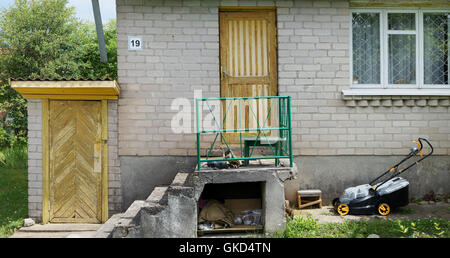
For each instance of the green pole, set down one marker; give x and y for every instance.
(240, 124)
(198, 136)
(290, 132)
(280, 121)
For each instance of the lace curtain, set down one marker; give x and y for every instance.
(366, 48)
(436, 28)
(401, 49)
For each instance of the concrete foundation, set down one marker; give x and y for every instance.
(140, 175)
(331, 174)
(172, 211)
(273, 191)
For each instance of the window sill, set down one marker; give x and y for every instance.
(396, 92)
(396, 97)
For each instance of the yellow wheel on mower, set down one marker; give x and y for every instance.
(343, 209)
(384, 209)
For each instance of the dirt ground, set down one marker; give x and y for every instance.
(412, 211)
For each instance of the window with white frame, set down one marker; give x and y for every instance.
(400, 48)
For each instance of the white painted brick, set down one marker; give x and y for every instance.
(313, 67)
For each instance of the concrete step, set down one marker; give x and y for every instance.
(127, 224)
(106, 229)
(78, 234)
(158, 194)
(180, 179)
(60, 227)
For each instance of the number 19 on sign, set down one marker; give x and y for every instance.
(134, 43)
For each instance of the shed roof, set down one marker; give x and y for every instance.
(66, 88)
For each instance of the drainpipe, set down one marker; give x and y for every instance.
(99, 28)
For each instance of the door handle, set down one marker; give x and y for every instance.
(223, 73)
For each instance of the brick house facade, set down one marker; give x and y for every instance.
(342, 134)
(181, 54)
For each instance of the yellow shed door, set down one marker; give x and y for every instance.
(75, 161)
(248, 68)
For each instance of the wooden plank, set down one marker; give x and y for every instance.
(105, 184)
(237, 81)
(104, 119)
(258, 40)
(310, 192)
(310, 203)
(273, 71)
(105, 173)
(45, 162)
(74, 220)
(224, 43)
(66, 87)
(71, 97)
(246, 8)
(234, 229)
(98, 157)
(67, 91)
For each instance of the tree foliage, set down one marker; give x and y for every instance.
(92, 66)
(44, 39)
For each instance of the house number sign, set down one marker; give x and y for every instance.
(134, 43)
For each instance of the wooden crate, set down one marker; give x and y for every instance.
(309, 198)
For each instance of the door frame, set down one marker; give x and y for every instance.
(46, 158)
(273, 63)
(270, 15)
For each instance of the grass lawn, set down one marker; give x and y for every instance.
(399, 228)
(13, 199)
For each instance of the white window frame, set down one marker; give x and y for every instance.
(384, 51)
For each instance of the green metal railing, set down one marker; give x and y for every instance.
(271, 127)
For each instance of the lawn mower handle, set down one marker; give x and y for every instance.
(421, 146)
(411, 154)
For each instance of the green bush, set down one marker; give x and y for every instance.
(4, 137)
(14, 157)
(13, 128)
(9, 139)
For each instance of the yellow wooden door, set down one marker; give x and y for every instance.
(248, 68)
(75, 161)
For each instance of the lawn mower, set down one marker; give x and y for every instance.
(390, 192)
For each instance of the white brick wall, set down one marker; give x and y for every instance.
(35, 159)
(114, 187)
(181, 53)
(181, 49)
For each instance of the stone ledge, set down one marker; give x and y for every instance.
(396, 101)
(157, 194)
(396, 97)
(251, 172)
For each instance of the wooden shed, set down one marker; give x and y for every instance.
(74, 146)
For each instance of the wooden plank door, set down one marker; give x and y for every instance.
(248, 68)
(75, 161)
